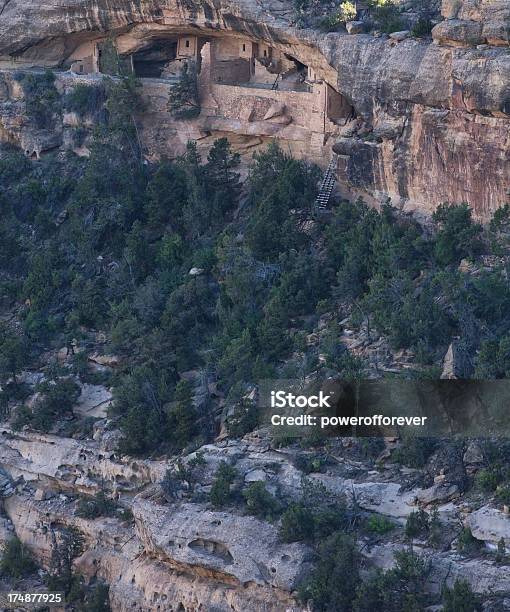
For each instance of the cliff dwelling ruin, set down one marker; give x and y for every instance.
(422, 120)
(246, 87)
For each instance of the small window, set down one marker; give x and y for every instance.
(81, 68)
(265, 53)
(187, 43)
(244, 47)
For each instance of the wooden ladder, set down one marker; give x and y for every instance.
(326, 188)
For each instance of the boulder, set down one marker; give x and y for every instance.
(458, 33)
(439, 492)
(474, 455)
(196, 271)
(448, 372)
(94, 401)
(490, 525)
(111, 361)
(255, 476)
(43, 494)
(400, 36)
(276, 109)
(355, 27)
(484, 576)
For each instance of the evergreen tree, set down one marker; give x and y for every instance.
(332, 585)
(13, 352)
(460, 598)
(16, 560)
(183, 101)
(223, 181)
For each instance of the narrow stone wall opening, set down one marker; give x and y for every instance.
(338, 108)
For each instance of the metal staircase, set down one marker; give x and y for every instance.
(326, 188)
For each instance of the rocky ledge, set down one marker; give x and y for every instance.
(182, 551)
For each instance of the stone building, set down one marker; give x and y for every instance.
(85, 59)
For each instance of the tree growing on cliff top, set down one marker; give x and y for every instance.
(16, 560)
(13, 353)
(183, 101)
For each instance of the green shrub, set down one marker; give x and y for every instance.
(42, 100)
(493, 358)
(221, 493)
(417, 524)
(460, 598)
(184, 477)
(387, 15)
(181, 416)
(85, 99)
(435, 528)
(400, 589)
(67, 545)
(311, 463)
(371, 448)
(126, 514)
(171, 485)
(501, 555)
(97, 598)
(316, 516)
(333, 583)
(467, 543)
(298, 524)
(423, 27)
(183, 101)
(380, 524)
(346, 12)
(414, 452)
(487, 480)
(94, 507)
(244, 418)
(16, 560)
(503, 494)
(58, 401)
(260, 502)
(23, 416)
(79, 135)
(458, 236)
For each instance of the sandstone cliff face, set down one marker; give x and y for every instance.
(433, 117)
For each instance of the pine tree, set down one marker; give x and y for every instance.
(183, 101)
(222, 180)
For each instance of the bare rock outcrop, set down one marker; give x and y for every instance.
(445, 569)
(185, 552)
(242, 549)
(490, 525)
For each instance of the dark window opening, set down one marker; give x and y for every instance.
(187, 43)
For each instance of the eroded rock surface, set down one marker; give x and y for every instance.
(185, 551)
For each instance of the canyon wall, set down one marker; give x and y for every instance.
(431, 117)
(181, 554)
